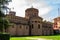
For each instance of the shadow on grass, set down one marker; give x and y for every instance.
(34, 35)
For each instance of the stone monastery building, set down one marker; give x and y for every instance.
(31, 24)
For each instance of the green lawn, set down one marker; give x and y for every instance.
(56, 37)
(19, 38)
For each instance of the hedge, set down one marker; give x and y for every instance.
(4, 37)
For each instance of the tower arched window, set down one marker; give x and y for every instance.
(38, 26)
(32, 26)
(35, 21)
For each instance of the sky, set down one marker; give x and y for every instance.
(48, 9)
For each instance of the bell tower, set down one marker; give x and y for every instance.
(31, 12)
(12, 12)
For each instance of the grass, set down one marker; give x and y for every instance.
(55, 37)
(19, 38)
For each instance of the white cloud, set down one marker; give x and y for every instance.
(21, 5)
(45, 10)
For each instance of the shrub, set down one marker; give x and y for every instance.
(4, 37)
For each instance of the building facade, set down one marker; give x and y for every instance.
(56, 25)
(31, 24)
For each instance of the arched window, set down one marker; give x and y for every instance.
(35, 21)
(26, 27)
(38, 26)
(55, 26)
(20, 26)
(32, 26)
(38, 21)
(13, 26)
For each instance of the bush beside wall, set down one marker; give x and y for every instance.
(4, 37)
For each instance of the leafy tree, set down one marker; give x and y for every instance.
(1, 14)
(3, 4)
(3, 22)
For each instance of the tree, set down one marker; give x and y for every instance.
(3, 4)
(1, 14)
(3, 22)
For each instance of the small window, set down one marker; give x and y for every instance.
(20, 26)
(56, 26)
(38, 21)
(39, 26)
(49, 26)
(26, 27)
(59, 27)
(32, 26)
(5, 30)
(35, 21)
(55, 23)
(13, 26)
